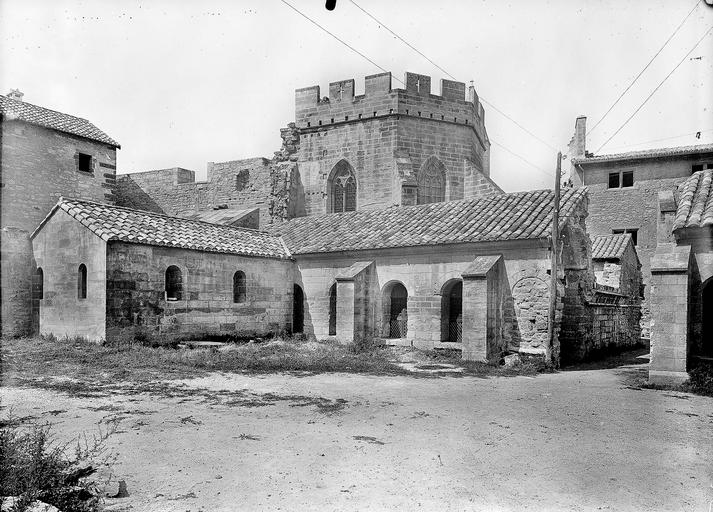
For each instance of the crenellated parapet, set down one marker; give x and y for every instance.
(416, 100)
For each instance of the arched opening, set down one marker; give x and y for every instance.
(342, 187)
(452, 311)
(298, 310)
(82, 282)
(333, 310)
(431, 182)
(395, 300)
(705, 344)
(174, 283)
(239, 289)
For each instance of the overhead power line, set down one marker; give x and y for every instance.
(382, 24)
(381, 68)
(665, 138)
(656, 89)
(645, 68)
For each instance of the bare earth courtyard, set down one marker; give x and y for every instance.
(572, 440)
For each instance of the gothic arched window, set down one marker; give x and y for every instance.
(343, 188)
(432, 182)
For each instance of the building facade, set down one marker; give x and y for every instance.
(624, 190)
(44, 155)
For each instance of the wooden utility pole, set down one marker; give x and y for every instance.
(553, 272)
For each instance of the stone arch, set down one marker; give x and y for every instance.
(342, 188)
(432, 180)
(394, 300)
(452, 310)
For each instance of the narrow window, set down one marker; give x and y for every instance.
(39, 284)
(431, 182)
(627, 179)
(613, 180)
(174, 283)
(239, 290)
(343, 189)
(84, 163)
(82, 282)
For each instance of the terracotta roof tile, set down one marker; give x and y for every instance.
(136, 226)
(695, 201)
(517, 216)
(647, 153)
(609, 247)
(33, 114)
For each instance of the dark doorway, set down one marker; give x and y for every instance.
(452, 312)
(333, 310)
(298, 310)
(705, 345)
(37, 296)
(398, 316)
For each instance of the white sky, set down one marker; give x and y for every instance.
(181, 83)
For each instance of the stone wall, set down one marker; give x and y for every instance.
(136, 298)
(425, 272)
(60, 248)
(38, 166)
(273, 186)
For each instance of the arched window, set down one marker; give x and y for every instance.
(38, 284)
(82, 282)
(174, 283)
(239, 290)
(432, 182)
(343, 188)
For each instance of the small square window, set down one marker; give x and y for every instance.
(627, 179)
(84, 163)
(613, 180)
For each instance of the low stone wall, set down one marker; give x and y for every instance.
(136, 300)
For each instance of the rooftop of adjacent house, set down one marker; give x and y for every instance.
(610, 247)
(225, 216)
(116, 223)
(695, 201)
(647, 154)
(516, 216)
(14, 109)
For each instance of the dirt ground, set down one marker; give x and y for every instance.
(573, 440)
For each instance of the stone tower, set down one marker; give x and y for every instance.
(391, 146)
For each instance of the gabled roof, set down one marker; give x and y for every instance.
(647, 153)
(115, 223)
(517, 216)
(33, 114)
(610, 247)
(695, 203)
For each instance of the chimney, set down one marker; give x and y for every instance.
(577, 146)
(15, 94)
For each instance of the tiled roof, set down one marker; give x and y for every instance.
(609, 247)
(140, 227)
(647, 153)
(29, 113)
(225, 216)
(695, 201)
(517, 216)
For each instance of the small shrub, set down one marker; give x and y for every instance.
(36, 467)
(700, 380)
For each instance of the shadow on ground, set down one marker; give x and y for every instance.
(638, 357)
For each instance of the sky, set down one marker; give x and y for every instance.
(183, 83)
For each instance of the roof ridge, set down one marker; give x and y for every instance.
(23, 102)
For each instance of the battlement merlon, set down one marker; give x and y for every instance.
(453, 105)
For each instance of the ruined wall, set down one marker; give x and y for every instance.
(136, 298)
(270, 185)
(38, 165)
(596, 319)
(386, 135)
(60, 247)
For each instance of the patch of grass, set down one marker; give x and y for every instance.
(700, 380)
(36, 467)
